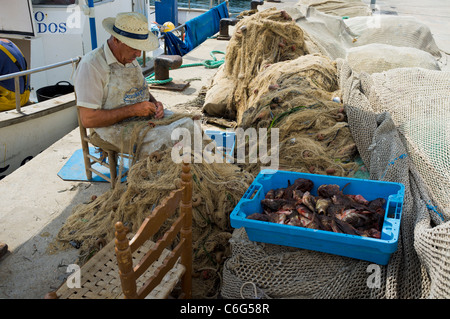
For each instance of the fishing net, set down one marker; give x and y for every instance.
(275, 83)
(400, 31)
(260, 40)
(395, 149)
(377, 57)
(216, 189)
(295, 97)
(398, 121)
(418, 103)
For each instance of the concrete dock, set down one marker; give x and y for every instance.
(35, 201)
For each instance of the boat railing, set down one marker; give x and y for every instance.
(16, 76)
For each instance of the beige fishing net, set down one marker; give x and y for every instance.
(377, 57)
(295, 97)
(275, 83)
(260, 40)
(398, 120)
(217, 188)
(334, 37)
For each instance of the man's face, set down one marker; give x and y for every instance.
(126, 54)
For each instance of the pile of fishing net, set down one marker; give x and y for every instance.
(270, 81)
(397, 122)
(259, 40)
(217, 188)
(295, 97)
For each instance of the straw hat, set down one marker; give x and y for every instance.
(132, 29)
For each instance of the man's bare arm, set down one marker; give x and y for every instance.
(92, 118)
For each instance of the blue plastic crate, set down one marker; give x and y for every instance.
(225, 142)
(364, 248)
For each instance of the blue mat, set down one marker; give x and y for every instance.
(74, 169)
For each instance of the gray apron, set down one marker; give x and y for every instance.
(127, 86)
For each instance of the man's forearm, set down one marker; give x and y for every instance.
(92, 118)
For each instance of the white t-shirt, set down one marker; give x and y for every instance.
(92, 76)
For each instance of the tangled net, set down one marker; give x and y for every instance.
(260, 40)
(296, 97)
(217, 188)
(271, 81)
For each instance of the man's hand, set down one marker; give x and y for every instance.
(150, 108)
(159, 110)
(145, 108)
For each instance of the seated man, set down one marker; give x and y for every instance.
(110, 86)
(12, 61)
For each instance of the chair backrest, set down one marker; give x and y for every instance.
(182, 225)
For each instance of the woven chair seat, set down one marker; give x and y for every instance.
(100, 276)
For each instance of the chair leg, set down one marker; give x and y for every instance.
(112, 158)
(85, 148)
(125, 262)
(87, 165)
(186, 231)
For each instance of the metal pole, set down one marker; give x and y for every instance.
(16, 76)
(92, 24)
(17, 91)
(40, 69)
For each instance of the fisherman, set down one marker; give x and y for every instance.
(12, 61)
(110, 86)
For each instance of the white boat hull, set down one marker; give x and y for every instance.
(24, 137)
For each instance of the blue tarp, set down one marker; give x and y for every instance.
(197, 30)
(74, 169)
(174, 45)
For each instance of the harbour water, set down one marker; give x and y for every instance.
(235, 6)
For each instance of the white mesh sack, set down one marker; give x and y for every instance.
(377, 57)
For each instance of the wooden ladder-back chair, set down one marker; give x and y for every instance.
(90, 159)
(143, 267)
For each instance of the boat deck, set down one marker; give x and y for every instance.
(35, 201)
